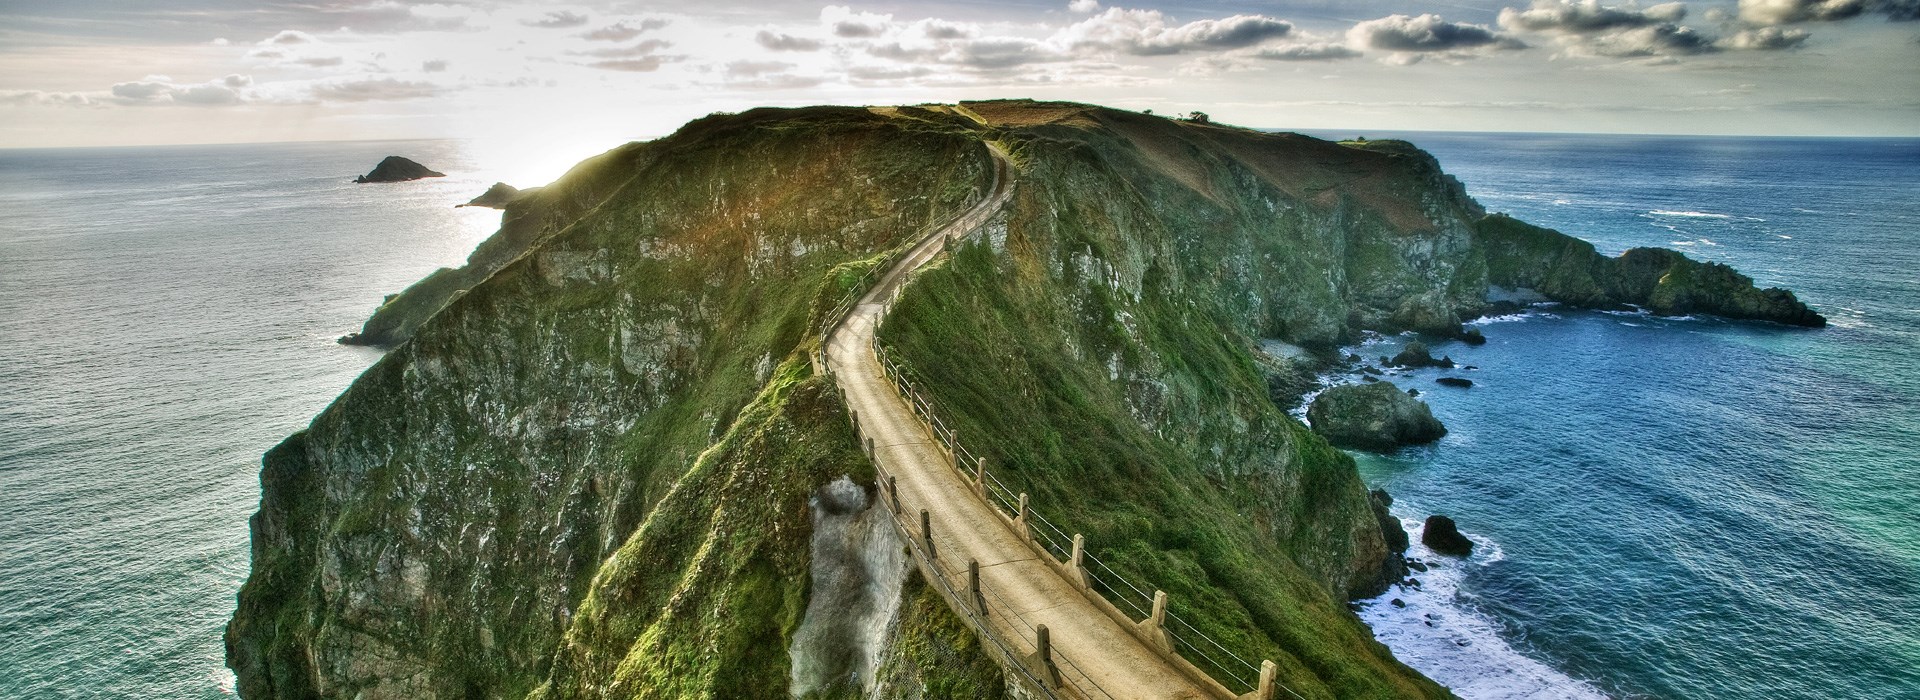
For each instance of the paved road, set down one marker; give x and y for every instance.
(1091, 649)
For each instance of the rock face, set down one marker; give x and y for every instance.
(1441, 535)
(496, 197)
(1373, 417)
(397, 169)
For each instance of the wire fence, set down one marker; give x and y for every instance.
(1232, 669)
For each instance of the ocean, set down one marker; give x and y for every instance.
(1673, 508)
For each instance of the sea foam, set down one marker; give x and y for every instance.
(1441, 635)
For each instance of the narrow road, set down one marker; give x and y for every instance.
(1098, 656)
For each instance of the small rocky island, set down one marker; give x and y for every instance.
(398, 169)
(1375, 416)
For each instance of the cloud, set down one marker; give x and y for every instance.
(854, 25)
(162, 90)
(38, 98)
(1148, 33)
(647, 64)
(319, 61)
(562, 19)
(750, 69)
(1587, 17)
(621, 31)
(1083, 6)
(1586, 27)
(373, 90)
(1318, 51)
(1654, 40)
(434, 66)
(1771, 12)
(990, 53)
(644, 48)
(774, 41)
(1425, 34)
(289, 37)
(1765, 39)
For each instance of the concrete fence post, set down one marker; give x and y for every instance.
(1268, 671)
(1154, 627)
(973, 586)
(926, 532)
(1077, 563)
(870, 453)
(980, 475)
(893, 492)
(1020, 520)
(1042, 659)
(854, 416)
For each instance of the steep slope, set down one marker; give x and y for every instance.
(586, 467)
(435, 531)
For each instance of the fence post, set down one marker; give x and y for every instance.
(926, 532)
(870, 454)
(1020, 520)
(973, 586)
(1042, 659)
(1155, 626)
(893, 491)
(1077, 563)
(980, 475)
(854, 416)
(1264, 691)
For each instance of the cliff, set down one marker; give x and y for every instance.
(593, 462)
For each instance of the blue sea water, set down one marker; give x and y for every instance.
(1667, 508)
(1680, 508)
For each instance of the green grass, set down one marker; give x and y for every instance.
(1014, 349)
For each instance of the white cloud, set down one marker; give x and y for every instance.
(1766, 12)
(434, 66)
(1149, 33)
(1316, 51)
(1427, 33)
(847, 23)
(1766, 39)
(775, 41)
(372, 89)
(561, 19)
(621, 31)
(1083, 6)
(288, 37)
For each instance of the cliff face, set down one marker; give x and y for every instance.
(476, 493)
(585, 468)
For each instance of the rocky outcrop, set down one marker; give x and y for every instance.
(1417, 355)
(1571, 271)
(496, 197)
(1441, 535)
(1374, 416)
(397, 169)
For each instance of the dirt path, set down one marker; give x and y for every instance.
(1097, 655)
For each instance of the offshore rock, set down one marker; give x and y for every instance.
(1417, 355)
(1443, 536)
(1374, 416)
(1455, 382)
(397, 169)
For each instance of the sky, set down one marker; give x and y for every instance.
(574, 79)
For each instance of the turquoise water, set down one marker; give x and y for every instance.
(166, 315)
(1685, 509)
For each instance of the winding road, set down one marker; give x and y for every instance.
(1095, 654)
